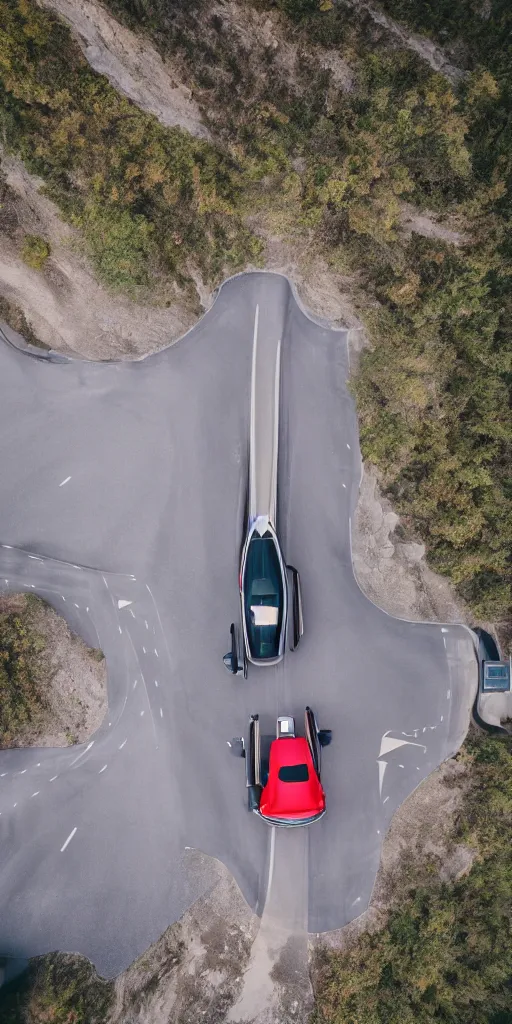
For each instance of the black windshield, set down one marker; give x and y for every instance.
(263, 596)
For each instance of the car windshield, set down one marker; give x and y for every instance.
(294, 773)
(263, 596)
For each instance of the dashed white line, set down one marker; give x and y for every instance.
(401, 766)
(54, 777)
(8, 546)
(442, 716)
(143, 650)
(132, 613)
(141, 714)
(68, 840)
(386, 798)
(448, 694)
(156, 682)
(444, 641)
(38, 765)
(135, 684)
(119, 628)
(36, 559)
(87, 609)
(16, 804)
(66, 481)
(122, 744)
(36, 793)
(146, 623)
(443, 630)
(105, 766)
(21, 773)
(161, 713)
(63, 598)
(344, 485)
(76, 605)
(3, 775)
(156, 652)
(88, 747)
(348, 446)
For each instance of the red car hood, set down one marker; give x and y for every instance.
(291, 800)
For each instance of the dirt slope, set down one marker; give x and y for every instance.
(131, 63)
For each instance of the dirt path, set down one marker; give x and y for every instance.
(421, 45)
(66, 306)
(131, 63)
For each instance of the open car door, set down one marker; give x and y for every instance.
(311, 730)
(297, 617)
(253, 764)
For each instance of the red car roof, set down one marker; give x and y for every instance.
(291, 800)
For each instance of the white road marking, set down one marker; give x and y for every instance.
(344, 485)
(135, 684)
(146, 623)
(88, 747)
(386, 798)
(161, 713)
(444, 641)
(68, 840)
(443, 630)
(401, 766)
(105, 582)
(143, 650)
(21, 773)
(132, 613)
(357, 900)
(389, 743)
(156, 652)
(32, 585)
(122, 744)
(141, 714)
(156, 682)
(38, 765)
(382, 769)
(54, 777)
(68, 478)
(76, 605)
(3, 774)
(348, 446)
(448, 694)
(378, 831)
(8, 546)
(103, 769)
(442, 716)
(123, 604)
(87, 609)
(252, 428)
(119, 628)
(36, 559)
(63, 598)
(36, 793)
(418, 769)
(16, 804)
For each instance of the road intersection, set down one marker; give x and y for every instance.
(123, 502)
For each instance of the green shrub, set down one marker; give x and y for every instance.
(35, 251)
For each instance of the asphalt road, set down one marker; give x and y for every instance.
(139, 472)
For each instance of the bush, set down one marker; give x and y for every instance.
(35, 251)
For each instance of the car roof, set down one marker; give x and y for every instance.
(293, 800)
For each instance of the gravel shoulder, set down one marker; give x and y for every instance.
(71, 678)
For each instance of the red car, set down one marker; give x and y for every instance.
(283, 774)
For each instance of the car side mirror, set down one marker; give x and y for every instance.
(324, 737)
(237, 746)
